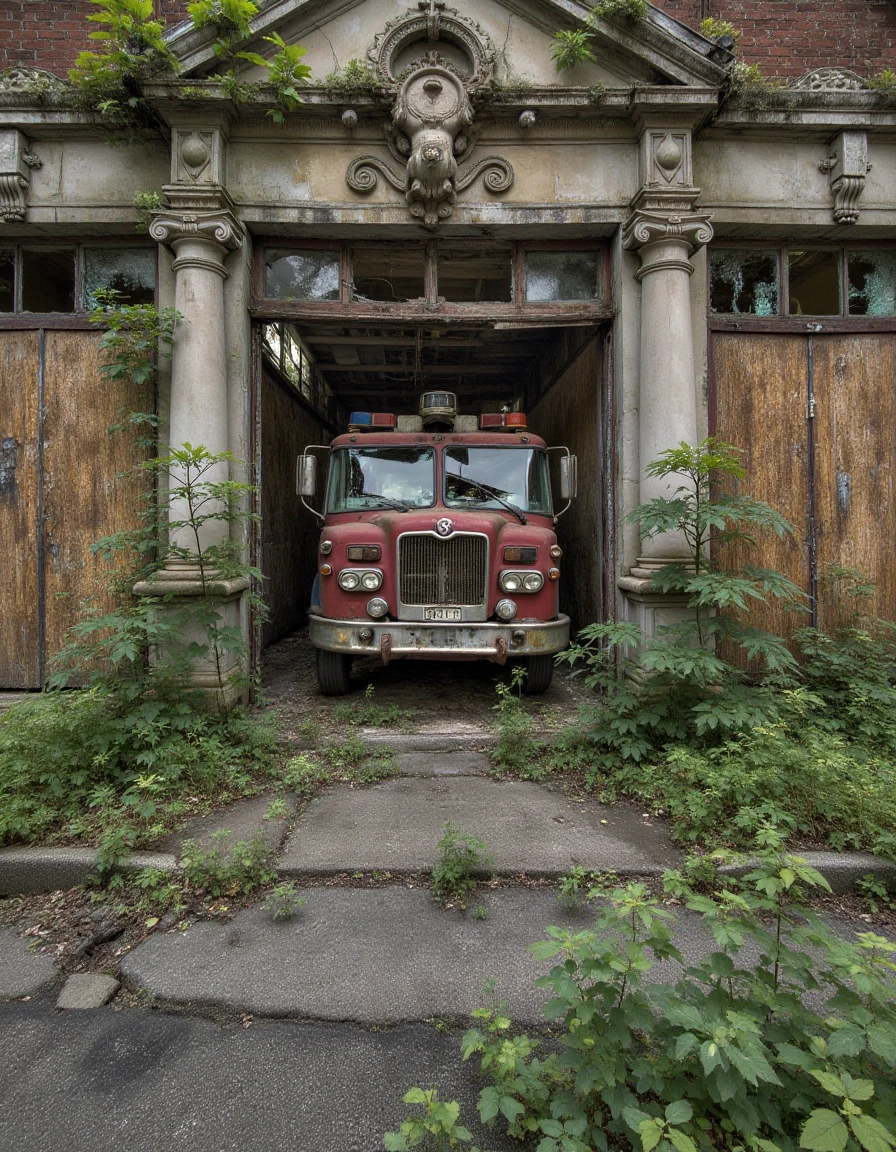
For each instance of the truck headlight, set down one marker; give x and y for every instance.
(377, 607)
(505, 609)
(521, 581)
(349, 581)
(370, 581)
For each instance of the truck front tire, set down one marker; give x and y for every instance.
(333, 672)
(539, 673)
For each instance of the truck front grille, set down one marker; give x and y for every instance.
(436, 571)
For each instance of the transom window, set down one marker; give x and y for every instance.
(65, 277)
(802, 281)
(437, 272)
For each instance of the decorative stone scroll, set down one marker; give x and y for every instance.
(220, 227)
(432, 113)
(16, 162)
(644, 228)
(831, 80)
(848, 166)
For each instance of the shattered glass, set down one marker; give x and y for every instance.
(814, 282)
(290, 274)
(391, 274)
(7, 280)
(129, 271)
(872, 283)
(552, 276)
(744, 281)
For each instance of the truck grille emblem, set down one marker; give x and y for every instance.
(444, 527)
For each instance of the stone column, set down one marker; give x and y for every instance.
(201, 239)
(664, 230)
(668, 403)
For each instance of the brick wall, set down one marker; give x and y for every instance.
(785, 37)
(789, 37)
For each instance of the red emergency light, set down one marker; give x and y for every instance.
(502, 422)
(371, 422)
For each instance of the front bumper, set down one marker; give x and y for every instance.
(400, 639)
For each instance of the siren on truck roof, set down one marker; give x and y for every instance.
(438, 411)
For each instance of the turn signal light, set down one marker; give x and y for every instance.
(326, 570)
(554, 574)
(366, 552)
(520, 555)
(508, 421)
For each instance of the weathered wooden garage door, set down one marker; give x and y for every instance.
(816, 416)
(61, 487)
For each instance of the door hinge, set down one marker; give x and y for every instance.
(811, 411)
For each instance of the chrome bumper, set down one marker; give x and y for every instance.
(397, 639)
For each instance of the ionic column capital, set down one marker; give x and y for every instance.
(220, 227)
(643, 228)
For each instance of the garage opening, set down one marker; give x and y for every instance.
(508, 329)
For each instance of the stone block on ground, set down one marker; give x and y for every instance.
(244, 819)
(443, 763)
(528, 829)
(87, 990)
(22, 972)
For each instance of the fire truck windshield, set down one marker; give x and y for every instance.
(498, 476)
(366, 478)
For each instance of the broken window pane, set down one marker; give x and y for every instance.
(743, 281)
(872, 283)
(814, 283)
(290, 274)
(561, 276)
(7, 280)
(272, 342)
(129, 271)
(387, 274)
(48, 280)
(467, 276)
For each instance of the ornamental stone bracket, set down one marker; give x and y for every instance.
(429, 135)
(644, 228)
(848, 166)
(189, 217)
(16, 163)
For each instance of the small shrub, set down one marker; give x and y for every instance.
(712, 28)
(883, 81)
(874, 892)
(369, 713)
(356, 78)
(224, 869)
(462, 855)
(435, 1128)
(277, 809)
(284, 902)
(303, 775)
(515, 750)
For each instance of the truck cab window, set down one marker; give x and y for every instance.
(362, 479)
(478, 476)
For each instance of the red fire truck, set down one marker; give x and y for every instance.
(437, 542)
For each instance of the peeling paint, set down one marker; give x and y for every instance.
(844, 488)
(9, 462)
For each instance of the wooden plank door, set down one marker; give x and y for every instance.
(20, 626)
(761, 402)
(64, 483)
(854, 389)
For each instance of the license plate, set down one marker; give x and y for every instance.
(441, 614)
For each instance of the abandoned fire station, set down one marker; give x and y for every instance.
(627, 252)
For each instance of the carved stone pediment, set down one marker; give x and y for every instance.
(434, 61)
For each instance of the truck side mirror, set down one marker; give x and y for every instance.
(569, 477)
(306, 476)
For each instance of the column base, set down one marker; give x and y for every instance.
(647, 565)
(221, 683)
(650, 610)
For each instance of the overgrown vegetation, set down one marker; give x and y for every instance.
(464, 857)
(109, 82)
(227, 868)
(516, 751)
(713, 28)
(367, 712)
(357, 78)
(573, 46)
(112, 762)
(733, 1054)
(283, 902)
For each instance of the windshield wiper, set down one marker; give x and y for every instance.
(398, 505)
(490, 495)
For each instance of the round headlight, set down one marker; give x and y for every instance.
(349, 581)
(326, 547)
(556, 551)
(505, 609)
(533, 581)
(511, 581)
(377, 607)
(370, 581)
